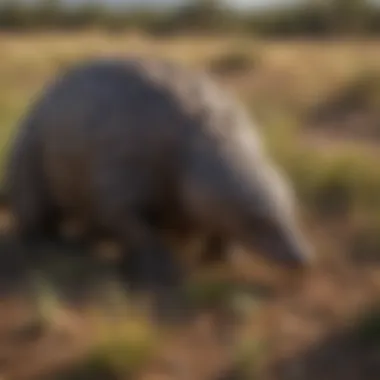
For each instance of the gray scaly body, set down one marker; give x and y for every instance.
(132, 146)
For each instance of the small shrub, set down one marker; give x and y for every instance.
(362, 92)
(353, 109)
(89, 370)
(366, 329)
(208, 294)
(248, 357)
(332, 183)
(235, 61)
(125, 344)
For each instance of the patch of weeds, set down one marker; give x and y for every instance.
(68, 268)
(280, 134)
(124, 345)
(248, 357)
(366, 329)
(208, 294)
(353, 108)
(331, 183)
(234, 301)
(47, 301)
(333, 189)
(235, 60)
(336, 184)
(46, 312)
(245, 304)
(363, 91)
(87, 371)
(121, 347)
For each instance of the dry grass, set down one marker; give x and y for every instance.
(289, 79)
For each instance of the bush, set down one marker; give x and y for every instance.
(353, 108)
(121, 347)
(234, 61)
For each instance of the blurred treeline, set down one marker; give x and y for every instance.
(307, 18)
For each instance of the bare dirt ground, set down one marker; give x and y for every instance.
(306, 327)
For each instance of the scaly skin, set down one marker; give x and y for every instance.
(132, 146)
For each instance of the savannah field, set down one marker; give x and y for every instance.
(317, 105)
